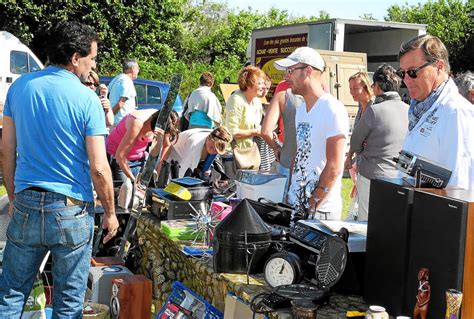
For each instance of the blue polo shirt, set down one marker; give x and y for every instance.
(53, 113)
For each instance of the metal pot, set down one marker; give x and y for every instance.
(201, 192)
(241, 241)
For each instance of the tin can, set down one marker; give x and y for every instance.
(376, 312)
(302, 309)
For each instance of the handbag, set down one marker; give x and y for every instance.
(184, 121)
(246, 158)
(164, 178)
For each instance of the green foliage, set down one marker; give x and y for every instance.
(166, 36)
(450, 20)
(191, 73)
(368, 16)
(3, 190)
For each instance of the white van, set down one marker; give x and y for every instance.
(15, 60)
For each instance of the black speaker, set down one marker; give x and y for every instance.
(386, 259)
(112, 246)
(438, 241)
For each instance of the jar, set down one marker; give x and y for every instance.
(303, 309)
(376, 312)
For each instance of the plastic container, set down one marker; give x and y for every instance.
(220, 210)
(255, 184)
(100, 311)
(180, 229)
(188, 299)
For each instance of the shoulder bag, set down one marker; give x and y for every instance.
(246, 158)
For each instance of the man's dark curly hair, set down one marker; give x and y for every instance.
(66, 38)
(387, 79)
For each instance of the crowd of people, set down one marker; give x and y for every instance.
(304, 146)
(303, 134)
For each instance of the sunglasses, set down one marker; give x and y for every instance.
(89, 84)
(216, 135)
(290, 71)
(413, 72)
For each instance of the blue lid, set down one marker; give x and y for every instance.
(188, 181)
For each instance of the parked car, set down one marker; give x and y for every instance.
(151, 94)
(17, 59)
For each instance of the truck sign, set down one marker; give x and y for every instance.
(271, 49)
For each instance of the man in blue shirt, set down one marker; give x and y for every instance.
(53, 151)
(122, 90)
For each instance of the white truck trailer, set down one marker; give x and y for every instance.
(346, 45)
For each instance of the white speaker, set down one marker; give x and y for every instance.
(100, 282)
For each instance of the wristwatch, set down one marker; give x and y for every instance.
(324, 189)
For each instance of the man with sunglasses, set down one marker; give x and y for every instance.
(440, 119)
(322, 126)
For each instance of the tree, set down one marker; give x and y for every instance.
(165, 36)
(450, 20)
(368, 16)
(145, 29)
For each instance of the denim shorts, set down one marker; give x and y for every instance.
(42, 222)
(135, 167)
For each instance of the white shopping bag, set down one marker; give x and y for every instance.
(125, 194)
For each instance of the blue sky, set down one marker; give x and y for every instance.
(347, 9)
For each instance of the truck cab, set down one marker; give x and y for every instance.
(16, 59)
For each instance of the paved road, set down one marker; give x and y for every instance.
(4, 218)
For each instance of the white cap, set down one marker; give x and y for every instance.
(305, 55)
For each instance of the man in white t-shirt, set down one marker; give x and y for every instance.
(122, 90)
(321, 131)
(440, 119)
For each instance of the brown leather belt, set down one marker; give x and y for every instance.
(37, 189)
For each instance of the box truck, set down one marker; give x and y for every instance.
(15, 60)
(346, 45)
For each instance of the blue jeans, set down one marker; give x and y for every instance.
(282, 170)
(135, 167)
(45, 221)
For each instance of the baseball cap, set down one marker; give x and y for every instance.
(304, 55)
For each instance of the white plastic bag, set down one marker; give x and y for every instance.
(36, 302)
(125, 194)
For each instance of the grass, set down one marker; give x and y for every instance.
(346, 195)
(3, 190)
